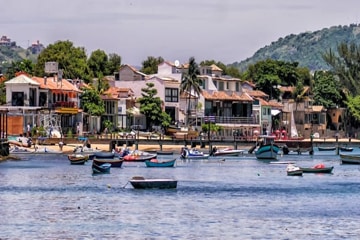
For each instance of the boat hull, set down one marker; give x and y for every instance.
(101, 169)
(295, 173)
(153, 183)
(115, 162)
(151, 163)
(76, 159)
(233, 153)
(350, 159)
(269, 151)
(317, 170)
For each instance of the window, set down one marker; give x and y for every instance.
(171, 95)
(227, 85)
(221, 86)
(17, 99)
(237, 86)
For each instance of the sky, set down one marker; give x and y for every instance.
(222, 30)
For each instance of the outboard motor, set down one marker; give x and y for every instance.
(285, 150)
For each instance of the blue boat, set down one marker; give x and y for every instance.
(103, 168)
(267, 148)
(156, 163)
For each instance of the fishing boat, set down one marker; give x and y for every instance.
(226, 152)
(103, 168)
(293, 170)
(332, 148)
(267, 149)
(192, 154)
(139, 182)
(159, 163)
(350, 158)
(139, 156)
(77, 159)
(318, 168)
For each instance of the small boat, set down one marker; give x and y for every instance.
(293, 170)
(327, 148)
(192, 154)
(346, 149)
(139, 156)
(267, 148)
(86, 150)
(350, 158)
(226, 152)
(158, 163)
(77, 159)
(164, 152)
(103, 168)
(153, 183)
(114, 162)
(318, 168)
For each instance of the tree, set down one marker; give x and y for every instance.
(191, 84)
(326, 90)
(150, 106)
(71, 59)
(150, 65)
(114, 63)
(25, 65)
(92, 102)
(98, 63)
(346, 65)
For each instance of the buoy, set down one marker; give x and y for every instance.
(109, 186)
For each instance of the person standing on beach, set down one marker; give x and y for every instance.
(28, 129)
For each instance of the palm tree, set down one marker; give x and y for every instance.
(190, 83)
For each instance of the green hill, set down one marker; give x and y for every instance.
(14, 54)
(305, 48)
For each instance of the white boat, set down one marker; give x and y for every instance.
(193, 154)
(226, 152)
(293, 170)
(139, 182)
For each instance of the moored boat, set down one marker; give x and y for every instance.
(139, 182)
(346, 149)
(102, 168)
(332, 148)
(159, 163)
(77, 159)
(193, 154)
(114, 162)
(293, 170)
(226, 152)
(267, 149)
(318, 168)
(139, 156)
(350, 158)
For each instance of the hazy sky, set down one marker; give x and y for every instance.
(223, 30)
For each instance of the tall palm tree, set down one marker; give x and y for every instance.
(190, 83)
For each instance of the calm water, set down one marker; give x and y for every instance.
(44, 197)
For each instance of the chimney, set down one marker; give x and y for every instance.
(45, 80)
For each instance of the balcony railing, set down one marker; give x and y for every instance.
(64, 105)
(233, 120)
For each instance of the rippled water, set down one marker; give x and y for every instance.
(44, 197)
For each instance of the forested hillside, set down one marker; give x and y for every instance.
(306, 48)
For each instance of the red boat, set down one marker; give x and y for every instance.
(139, 156)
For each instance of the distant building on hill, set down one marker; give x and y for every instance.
(5, 41)
(36, 47)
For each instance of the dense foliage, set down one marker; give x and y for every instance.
(150, 65)
(92, 102)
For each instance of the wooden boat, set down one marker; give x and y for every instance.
(350, 159)
(153, 183)
(346, 149)
(77, 159)
(293, 170)
(192, 154)
(318, 168)
(226, 152)
(114, 162)
(158, 163)
(327, 148)
(103, 168)
(267, 149)
(139, 156)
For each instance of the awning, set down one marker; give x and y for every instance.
(275, 112)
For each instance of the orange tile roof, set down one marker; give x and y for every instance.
(63, 85)
(255, 93)
(263, 102)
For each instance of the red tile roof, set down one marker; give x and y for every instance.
(63, 85)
